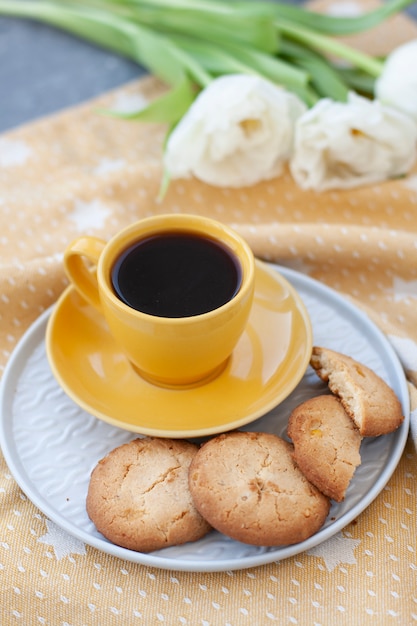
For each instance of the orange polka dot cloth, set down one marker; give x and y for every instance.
(82, 172)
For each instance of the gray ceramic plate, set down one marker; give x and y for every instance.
(51, 445)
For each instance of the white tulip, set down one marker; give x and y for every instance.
(397, 85)
(238, 131)
(344, 145)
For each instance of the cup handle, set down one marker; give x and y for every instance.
(79, 259)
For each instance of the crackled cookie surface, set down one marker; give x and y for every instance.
(326, 444)
(247, 486)
(138, 495)
(366, 397)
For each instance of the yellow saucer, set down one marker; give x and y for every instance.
(267, 364)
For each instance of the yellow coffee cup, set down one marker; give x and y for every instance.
(176, 292)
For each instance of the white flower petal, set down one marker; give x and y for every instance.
(397, 85)
(238, 131)
(344, 145)
(14, 152)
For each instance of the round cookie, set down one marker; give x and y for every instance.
(247, 486)
(370, 402)
(326, 444)
(138, 495)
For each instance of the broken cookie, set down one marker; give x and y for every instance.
(326, 444)
(366, 397)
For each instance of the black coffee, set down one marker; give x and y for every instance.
(176, 275)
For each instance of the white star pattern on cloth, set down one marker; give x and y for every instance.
(62, 543)
(106, 166)
(87, 215)
(411, 183)
(404, 289)
(129, 103)
(339, 549)
(345, 9)
(13, 152)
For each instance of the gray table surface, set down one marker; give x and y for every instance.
(43, 70)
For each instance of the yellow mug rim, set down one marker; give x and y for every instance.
(181, 223)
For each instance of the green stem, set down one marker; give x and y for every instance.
(325, 79)
(234, 57)
(330, 24)
(331, 46)
(155, 52)
(358, 81)
(84, 23)
(145, 31)
(212, 22)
